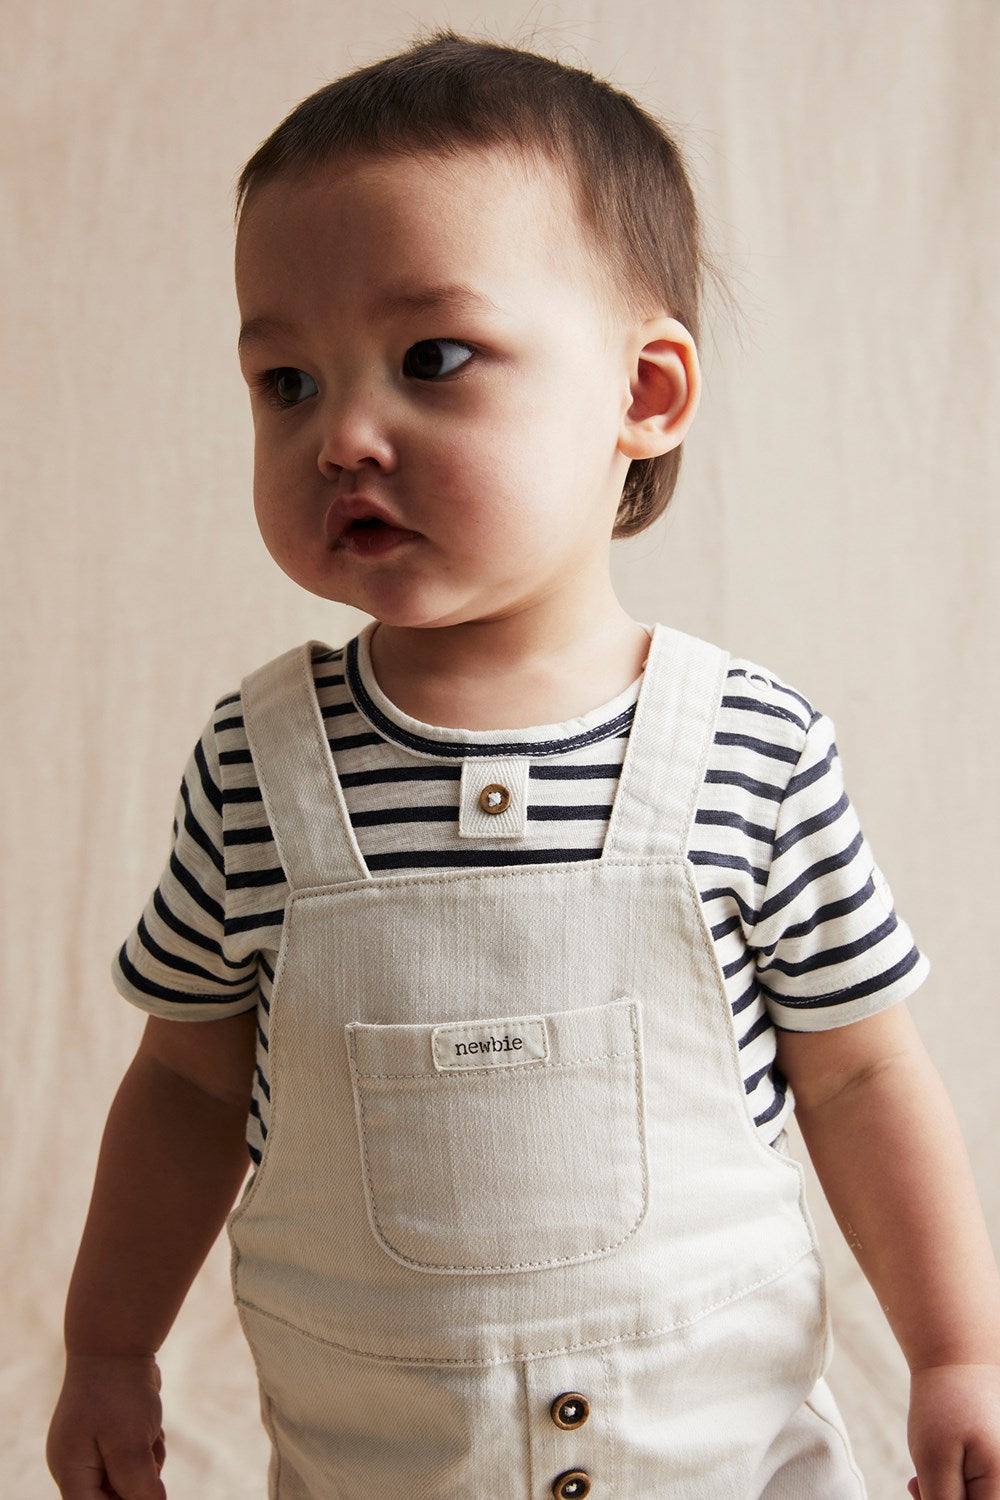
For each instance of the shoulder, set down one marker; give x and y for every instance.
(766, 720)
(758, 690)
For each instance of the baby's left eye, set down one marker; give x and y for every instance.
(432, 358)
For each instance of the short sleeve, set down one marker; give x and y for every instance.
(178, 961)
(830, 947)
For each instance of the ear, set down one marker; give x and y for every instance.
(664, 388)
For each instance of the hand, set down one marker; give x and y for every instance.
(106, 1437)
(954, 1432)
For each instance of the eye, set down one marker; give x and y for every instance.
(432, 358)
(287, 387)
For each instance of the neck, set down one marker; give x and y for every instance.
(507, 674)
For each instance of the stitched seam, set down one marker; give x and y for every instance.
(843, 1440)
(529, 1265)
(496, 1072)
(505, 872)
(620, 1339)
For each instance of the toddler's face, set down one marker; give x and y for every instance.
(437, 386)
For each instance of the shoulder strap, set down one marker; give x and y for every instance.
(668, 747)
(299, 784)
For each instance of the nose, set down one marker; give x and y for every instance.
(354, 433)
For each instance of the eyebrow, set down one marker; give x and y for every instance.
(451, 295)
(259, 330)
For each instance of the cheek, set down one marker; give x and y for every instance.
(277, 515)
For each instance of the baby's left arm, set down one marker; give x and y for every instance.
(886, 1146)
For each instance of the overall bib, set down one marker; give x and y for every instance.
(514, 1232)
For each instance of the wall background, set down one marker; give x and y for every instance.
(836, 520)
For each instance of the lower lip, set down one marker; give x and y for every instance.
(374, 541)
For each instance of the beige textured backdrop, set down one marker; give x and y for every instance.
(837, 520)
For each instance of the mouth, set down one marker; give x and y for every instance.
(363, 530)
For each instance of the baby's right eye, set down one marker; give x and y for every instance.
(286, 386)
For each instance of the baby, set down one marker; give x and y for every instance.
(512, 928)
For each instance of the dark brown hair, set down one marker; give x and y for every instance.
(450, 93)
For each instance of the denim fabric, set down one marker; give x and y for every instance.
(510, 1156)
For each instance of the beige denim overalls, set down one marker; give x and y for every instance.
(514, 1233)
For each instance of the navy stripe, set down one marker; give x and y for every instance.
(758, 1028)
(737, 966)
(394, 815)
(260, 920)
(446, 814)
(769, 710)
(252, 880)
(398, 775)
(814, 872)
(752, 1080)
(431, 859)
(234, 794)
(762, 789)
(728, 862)
(831, 956)
(809, 714)
(747, 997)
(575, 773)
(811, 825)
(259, 835)
(723, 929)
(190, 934)
(354, 742)
(758, 746)
(212, 792)
(831, 910)
(814, 773)
(709, 818)
(748, 914)
(160, 992)
(577, 812)
(183, 965)
(854, 992)
(781, 1089)
(200, 897)
(197, 833)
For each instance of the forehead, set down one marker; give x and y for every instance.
(481, 218)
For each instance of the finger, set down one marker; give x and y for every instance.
(133, 1473)
(940, 1478)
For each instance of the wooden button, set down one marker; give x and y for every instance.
(494, 798)
(570, 1410)
(573, 1485)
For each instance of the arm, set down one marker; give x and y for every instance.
(171, 1163)
(883, 1137)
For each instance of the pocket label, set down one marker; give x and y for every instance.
(490, 1044)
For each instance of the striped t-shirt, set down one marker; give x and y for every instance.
(801, 919)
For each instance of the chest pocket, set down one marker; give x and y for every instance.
(508, 1144)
